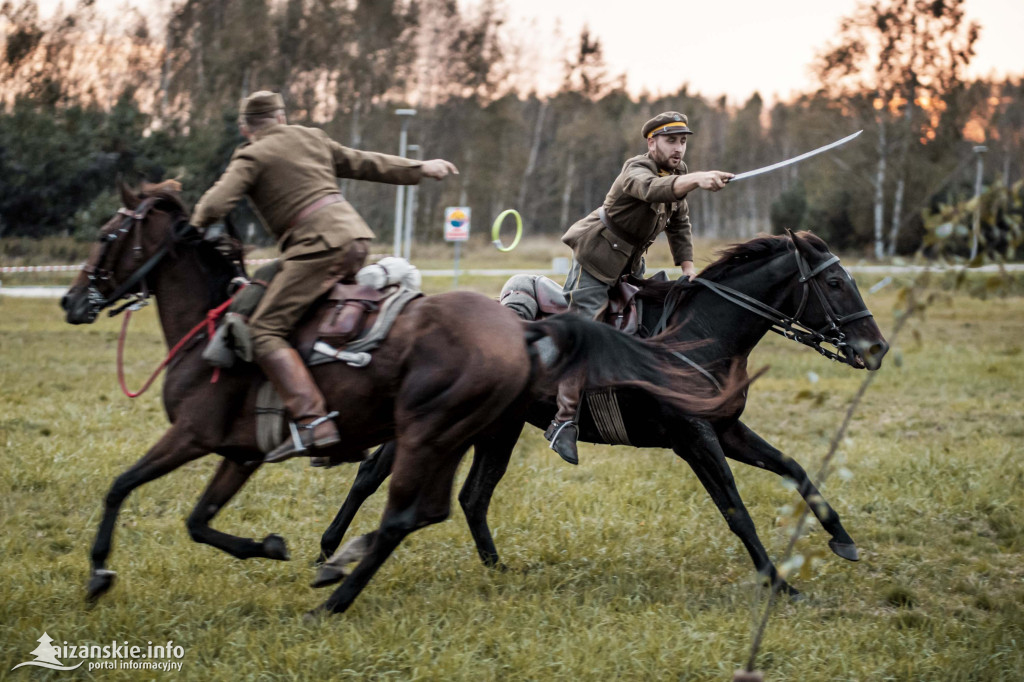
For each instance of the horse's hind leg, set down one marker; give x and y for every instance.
(170, 452)
(491, 455)
(228, 480)
(743, 445)
(372, 473)
(701, 449)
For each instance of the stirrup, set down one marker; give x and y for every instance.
(567, 449)
(301, 439)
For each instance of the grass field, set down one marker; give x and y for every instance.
(621, 568)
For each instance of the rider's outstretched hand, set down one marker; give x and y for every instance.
(713, 180)
(439, 169)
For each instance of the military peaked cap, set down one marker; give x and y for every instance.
(262, 102)
(668, 123)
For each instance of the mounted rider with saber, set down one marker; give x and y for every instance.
(647, 198)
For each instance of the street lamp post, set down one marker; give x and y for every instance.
(406, 114)
(410, 206)
(980, 152)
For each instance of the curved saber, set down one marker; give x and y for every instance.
(795, 159)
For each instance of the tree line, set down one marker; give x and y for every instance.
(91, 98)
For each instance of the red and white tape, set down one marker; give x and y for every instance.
(40, 268)
(76, 268)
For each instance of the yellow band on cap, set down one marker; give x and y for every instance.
(674, 124)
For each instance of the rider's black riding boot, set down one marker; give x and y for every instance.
(312, 427)
(563, 432)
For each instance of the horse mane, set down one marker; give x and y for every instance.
(217, 266)
(166, 193)
(729, 260)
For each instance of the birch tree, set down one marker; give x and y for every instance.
(902, 57)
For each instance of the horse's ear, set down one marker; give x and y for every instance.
(128, 197)
(801, 244)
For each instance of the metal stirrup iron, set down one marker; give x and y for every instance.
(297, 437)
(557, 432)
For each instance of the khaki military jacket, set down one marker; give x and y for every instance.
(286, 168)
(639, 206)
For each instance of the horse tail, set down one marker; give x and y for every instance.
(567, 344)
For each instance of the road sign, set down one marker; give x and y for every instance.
(456, 223)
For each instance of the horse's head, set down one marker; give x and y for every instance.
(129, 246)
(830, 305)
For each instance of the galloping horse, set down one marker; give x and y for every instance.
(453, 366)
(789, 284)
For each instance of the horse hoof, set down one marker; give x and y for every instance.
(786, 590)
(846, 550)
(100, 581)
(328, 575)
(274, 547)
(315, 616)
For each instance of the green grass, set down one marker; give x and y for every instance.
(620, 568)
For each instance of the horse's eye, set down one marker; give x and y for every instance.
(836, 283)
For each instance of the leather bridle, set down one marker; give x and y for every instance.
(791, 326)
(134, 287)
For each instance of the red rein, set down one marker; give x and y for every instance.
(208, 323)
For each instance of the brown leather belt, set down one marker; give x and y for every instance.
(603, 215)
(314, 207)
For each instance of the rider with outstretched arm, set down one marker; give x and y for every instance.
(647, 198)
(289, 173)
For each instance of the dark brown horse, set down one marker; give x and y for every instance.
(454, 367)
(789, 284)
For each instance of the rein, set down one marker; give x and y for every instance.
(209, 322)
(790, 326)
(139, 299)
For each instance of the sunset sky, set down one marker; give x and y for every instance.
(732, 47)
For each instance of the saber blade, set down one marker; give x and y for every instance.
(795, 159)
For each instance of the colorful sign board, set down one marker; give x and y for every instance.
(456, 223)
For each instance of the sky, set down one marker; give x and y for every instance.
(730, 47)
(737, 47)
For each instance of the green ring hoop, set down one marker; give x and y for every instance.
(496, 229)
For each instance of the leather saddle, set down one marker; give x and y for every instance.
(350, 309)
(342, 316)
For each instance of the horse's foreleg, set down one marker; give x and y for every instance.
(419, 495)
(170, 452)
(228, 480)
(703, 452)
(372, 473)
(382, 543)
(743, 445)
(490, 461)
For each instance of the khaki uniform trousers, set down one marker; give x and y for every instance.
(586, 296)
(301, 280)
